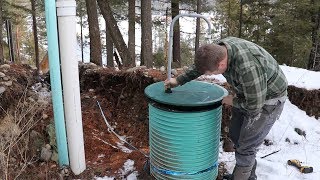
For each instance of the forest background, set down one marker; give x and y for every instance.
(288, 29)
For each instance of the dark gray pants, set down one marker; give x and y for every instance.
(248, 135)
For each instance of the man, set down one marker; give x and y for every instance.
(260, 87)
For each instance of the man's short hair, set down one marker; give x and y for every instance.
(208, 57)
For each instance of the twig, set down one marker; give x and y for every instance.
(270, 154)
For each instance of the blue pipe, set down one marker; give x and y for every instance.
(55, 80)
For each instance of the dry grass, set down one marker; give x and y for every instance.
(15, 129)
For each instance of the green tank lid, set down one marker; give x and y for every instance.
(191, 94)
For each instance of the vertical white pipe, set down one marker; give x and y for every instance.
(66, 12)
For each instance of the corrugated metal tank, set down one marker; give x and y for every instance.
(184, 130)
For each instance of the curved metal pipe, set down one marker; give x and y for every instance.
(171, 36)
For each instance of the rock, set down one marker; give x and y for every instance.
(185, 67)
(46, 153)
(44, 116)
(7, 83)
(37, 141)
(65, 172)
(300, 132)
(2, 89)
(136, 68)
(2, 75)
(162, 68)
(146, 73)
(91, 90)
(174, 72)
(52, 134)
(5, 78)
(5, 66)
(268, 142)
(55, 157)
(31, 99)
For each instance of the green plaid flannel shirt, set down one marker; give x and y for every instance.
(252, 72)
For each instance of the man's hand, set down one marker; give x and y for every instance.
(228, 100)
(171, 83)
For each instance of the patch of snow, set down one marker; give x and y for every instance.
(305, 149)
(302, 78)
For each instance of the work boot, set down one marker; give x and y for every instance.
(242, 173)
(253, 175)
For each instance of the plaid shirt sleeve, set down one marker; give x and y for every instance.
(190, 74)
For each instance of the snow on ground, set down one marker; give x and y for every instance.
(291, 145)
(126, 172)
(302, 78)
(305, 149)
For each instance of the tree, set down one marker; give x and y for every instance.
(314, 57)
(146, 33)
(35, 33)
(176, 56)
(1, 23)
(109, 48)
(289, 39)
(115, 32)
(94, 32)
(131, 29)
(81, 12)
(198, 25)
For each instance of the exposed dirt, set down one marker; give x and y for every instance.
(121, 96)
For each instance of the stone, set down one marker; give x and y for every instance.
(2, 89)
(37, 141)
(55, 156)
(44, 116)
(46, 153)
(185, 67)
(7, 83)
(136, 68)
(5, 66)
(174, 72)
(5, 78)
(162, 68)
(2, 75)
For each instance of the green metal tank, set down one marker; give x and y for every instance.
(184, 130)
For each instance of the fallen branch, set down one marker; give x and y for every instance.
(270, 154)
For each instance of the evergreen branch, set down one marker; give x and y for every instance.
(18, 6)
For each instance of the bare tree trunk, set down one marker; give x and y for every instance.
(17, 35)
(198, 26)
(35, 34)
(109, 49)
(146, 33)
(176, 58)
(81, 37)
(94, 32)
(131, 33)
(1, 23)
(240, 20)
(114, 31)
(10, 40)
(314, 57)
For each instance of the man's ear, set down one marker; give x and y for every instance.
(222, 64)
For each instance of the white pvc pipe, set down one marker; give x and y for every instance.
(66, 12)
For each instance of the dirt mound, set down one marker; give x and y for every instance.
(14, 79)
(307, 100)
